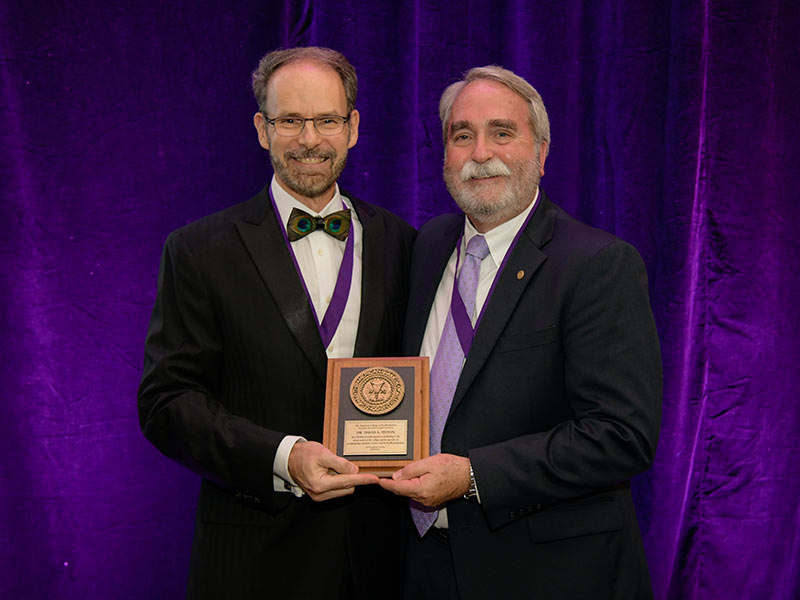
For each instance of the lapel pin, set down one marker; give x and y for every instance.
(520, 274)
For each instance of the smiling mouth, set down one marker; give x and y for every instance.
(485, 177)
(314, 160)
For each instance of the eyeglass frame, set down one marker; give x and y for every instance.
(345, 121)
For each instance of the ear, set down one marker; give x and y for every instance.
(261, 127)
(542, 157)
(353, 122)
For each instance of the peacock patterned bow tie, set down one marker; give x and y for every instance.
(301, 224)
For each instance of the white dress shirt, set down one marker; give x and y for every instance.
(319, 257)
(499, 240)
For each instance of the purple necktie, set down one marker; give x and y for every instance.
(447, 366)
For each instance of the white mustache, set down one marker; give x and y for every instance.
(494, 167)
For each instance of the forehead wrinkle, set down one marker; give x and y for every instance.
(495, 123)
(290, 113)
(303, 86)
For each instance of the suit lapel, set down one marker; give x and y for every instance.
(261, 235)
(429, 266)
(373, 272)
(526, 257)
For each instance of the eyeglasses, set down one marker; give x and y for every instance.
(291, 126)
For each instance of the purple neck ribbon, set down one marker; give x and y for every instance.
(341, 291)
(461, 320)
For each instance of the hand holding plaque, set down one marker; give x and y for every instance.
(376, 412)
(322, 474)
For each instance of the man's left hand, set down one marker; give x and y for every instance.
(431, 481)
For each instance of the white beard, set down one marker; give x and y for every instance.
(521, 182)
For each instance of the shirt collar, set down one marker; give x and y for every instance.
(500, 238)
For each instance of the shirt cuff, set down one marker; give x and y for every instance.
(281, 480)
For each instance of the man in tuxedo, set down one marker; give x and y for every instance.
(251, 303)
(545, 375)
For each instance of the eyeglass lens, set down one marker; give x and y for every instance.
(330, 125)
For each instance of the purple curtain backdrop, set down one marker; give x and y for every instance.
(675, 125)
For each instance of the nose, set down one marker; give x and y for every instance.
(309, 137)
(481, 151)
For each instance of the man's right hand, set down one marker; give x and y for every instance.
(322, 474)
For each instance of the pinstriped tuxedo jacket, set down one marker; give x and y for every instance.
(233, 362)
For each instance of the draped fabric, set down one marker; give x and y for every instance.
(674, 125)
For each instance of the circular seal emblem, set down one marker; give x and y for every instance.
(377, 390)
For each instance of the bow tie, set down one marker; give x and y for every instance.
(301, 224)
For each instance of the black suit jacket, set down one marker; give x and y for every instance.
(233, 362)
(557, 406)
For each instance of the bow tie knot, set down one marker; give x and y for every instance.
(301, 223)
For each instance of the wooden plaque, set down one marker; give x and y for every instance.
(376, 412)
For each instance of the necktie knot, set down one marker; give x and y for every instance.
(301, 223)
(478, 247)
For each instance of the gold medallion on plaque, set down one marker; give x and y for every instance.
(377, 391)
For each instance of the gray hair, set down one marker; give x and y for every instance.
(539, 122)
(326, 57)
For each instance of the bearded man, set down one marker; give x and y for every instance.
(545, 376)
(251, 303)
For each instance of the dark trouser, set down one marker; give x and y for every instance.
(429, 567)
